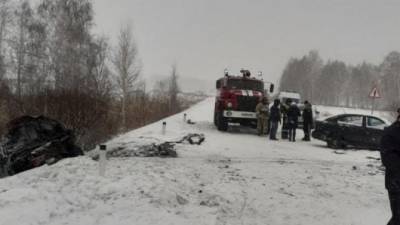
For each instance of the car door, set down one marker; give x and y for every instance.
(374, 130)
(352, 129)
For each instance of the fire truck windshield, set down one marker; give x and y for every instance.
(246, 85)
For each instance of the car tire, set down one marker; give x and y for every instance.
(330, 144)
(222, 123)
(336, 143)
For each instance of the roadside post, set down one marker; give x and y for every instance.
(184, 117)
(164, 128)
(102, 160)
(374, 94)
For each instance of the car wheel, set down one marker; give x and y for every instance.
(336, 143)
(331, 144)
(222, 123)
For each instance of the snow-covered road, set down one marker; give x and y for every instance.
(232, 178)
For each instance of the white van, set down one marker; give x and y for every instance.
(283, 96)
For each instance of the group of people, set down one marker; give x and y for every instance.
(287, 114)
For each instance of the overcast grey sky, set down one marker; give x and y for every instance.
(205, 36)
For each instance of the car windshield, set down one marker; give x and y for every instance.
(246, 85)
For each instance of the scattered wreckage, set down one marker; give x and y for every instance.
(34, 141)
(163, 150)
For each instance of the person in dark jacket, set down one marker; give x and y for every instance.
(307, 120)
(275, 119)
(293, 115)
(390, 155)
(285, 125)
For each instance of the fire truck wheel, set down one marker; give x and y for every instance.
(222, 123)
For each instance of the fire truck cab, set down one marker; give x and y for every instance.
(236, 100)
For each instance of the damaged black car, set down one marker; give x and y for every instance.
(351, 131)
(34, 141)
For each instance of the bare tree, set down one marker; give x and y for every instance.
(173, 89)
(99, 74)
(20, 46)
(127, 66)
(5, 19)
(300, 75)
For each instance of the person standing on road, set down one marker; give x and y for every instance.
(285, 125)
(390, 155)
(275, 119)
(293, 115)
(307, 120)
(262, 111)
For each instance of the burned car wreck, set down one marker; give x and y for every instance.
(34, 141)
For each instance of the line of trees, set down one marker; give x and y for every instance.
(339, 84)
(52, 64)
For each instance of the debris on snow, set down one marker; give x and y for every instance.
(33, 141)
(211, 201)
(374, 158)
(193, 139)
(162, 150)
(153, 150)
(190, 122)
(181, 200)
(165, 149)
(340, 152)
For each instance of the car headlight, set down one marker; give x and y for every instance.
(229, 105)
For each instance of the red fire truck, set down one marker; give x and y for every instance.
(237, 98)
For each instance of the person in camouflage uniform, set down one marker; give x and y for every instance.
(262, 111)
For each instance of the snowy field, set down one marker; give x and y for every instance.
(232, 178)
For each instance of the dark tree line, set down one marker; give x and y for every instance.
(52, 64)
(336, 83)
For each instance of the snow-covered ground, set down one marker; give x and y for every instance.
(232, 178)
